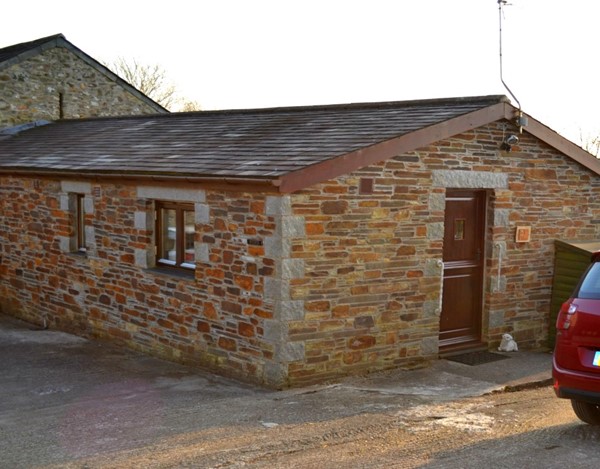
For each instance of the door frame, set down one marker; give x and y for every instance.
(476, 341)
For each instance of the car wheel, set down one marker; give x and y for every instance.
(589, 413)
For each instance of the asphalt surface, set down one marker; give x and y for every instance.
(63, 398)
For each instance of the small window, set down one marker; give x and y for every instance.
(175, 235)
(78, 210)
(459, 229)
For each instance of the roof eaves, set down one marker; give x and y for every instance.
(229, 182)
(9, 131)
(361, 158)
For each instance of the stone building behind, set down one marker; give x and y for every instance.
(49, 79)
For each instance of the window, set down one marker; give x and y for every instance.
(589, 288)
(79, 243)
(459, 229)
(175, 234)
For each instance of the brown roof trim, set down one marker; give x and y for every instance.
(233, 184)
(349, 162)
(413, 140)
(560, 143)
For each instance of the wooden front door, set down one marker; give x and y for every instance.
(464, 242)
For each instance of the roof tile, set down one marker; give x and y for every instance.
(261, 143)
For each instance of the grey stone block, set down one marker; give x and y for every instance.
(90, 235)
(65, 204)
(278, 205)
(434, 267)
(292, 268)
(202, 214)
(141, 258)
(78, 187)
(291, 227)
(65, 243)
(432, 309)
(501, 217)
(275, 374)
(469, 179)
(142, 220)
(292, 351)
(496, 319)
(498, 283)
(430, 346)
(289, 310)
(500, 248)
(273, 331)
(277, 247)
(88, 205)
(171, 193)
(437, 202)
(202, 252)
(276, 289)
(273, 247)
(435, 230)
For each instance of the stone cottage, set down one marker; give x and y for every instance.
(293, 245)
(50, 78)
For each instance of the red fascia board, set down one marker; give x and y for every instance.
(349, 162)
(565, 146)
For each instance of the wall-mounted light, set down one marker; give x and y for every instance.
(509, 141)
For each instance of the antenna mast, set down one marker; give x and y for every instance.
(520, 121)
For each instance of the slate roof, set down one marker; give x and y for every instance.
(290, 147)
(16, 53)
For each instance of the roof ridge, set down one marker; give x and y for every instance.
(371, 105)
(27, 45)
(483, 100)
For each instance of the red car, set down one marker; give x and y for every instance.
(576, 360)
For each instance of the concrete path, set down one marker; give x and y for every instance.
(63, 398)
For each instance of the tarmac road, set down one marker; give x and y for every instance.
(69, 402)
(500, 431)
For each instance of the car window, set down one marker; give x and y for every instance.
(590, 285)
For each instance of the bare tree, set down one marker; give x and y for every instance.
(189, 106)
(590, 143)
(152, 80)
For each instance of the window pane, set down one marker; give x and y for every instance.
(590, 287)
(80, 222)
(168, 249)
(459, 229)
(190, 231)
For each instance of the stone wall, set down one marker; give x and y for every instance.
(31, 90)
(371, 289)
(373, 281)
(301, 288)
(215, 318)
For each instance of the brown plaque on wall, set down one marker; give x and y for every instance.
(523, 234)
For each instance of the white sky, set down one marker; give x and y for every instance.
(261, 53)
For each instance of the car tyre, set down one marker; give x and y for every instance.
(589, 413)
